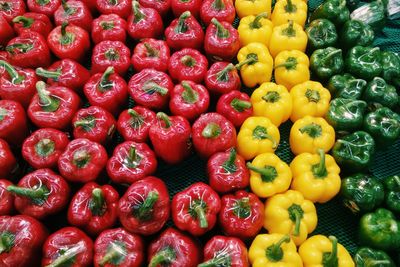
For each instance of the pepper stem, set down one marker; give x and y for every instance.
(38, 194)
(220, 259)
(22, 47)
(105, 83)
(26, 22)
(116, 252)
(290, 7)
(271, 97)
(164, 117)
(152, 87)
(319, 170)
(144, 211)
(188, 61)
(212, 130)
(223, 75)
(274, 252)
(151, 52)
(97, 202)
(201, 215)
(268, 173)
(222, 32)
(251, 59)
(133, 158)
(107, 25)
(242, 208)
(189, 95)
(67, 38)
(240, 105)
(165, 256)
(68, 256)
(55, 75)
(313, 130)
(44, 147)
(297, 216)
(218, 5)
(182, 27)
(290, 64)
(16, 78)
(87, 123)
(137, 13)
(256, 24)
(331, 258)
(332, 54)
(48, 103)
(260, 133)
(229, 165)
(289, 31)
(81, 158)
(67, 9)
(6, 241)
(136, 118)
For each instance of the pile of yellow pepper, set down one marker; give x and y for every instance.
(275, 44)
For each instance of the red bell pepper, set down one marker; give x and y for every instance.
(134, 124)
(189, 100)
(91, 5)
(195, 209)
(212, 133)
(221, 78)
(161, 6)
(94, 208)
(184, 32)
(188, 64)
(94, 123)
(40, 193)
(151, 54)
(29, 50)
(6, 32)
(131, 162)
(46, 7)
(241, 215)
(69, 41)
(53, 106)
(8, 163)
(17, 84)
(6, 198)
(175, 249)
(221, 41)
(109, 27)
(144, 208)
(150, 88)
(144, 22)
(180, 6)
(121, 8)
(118, 247)
(82, 161)
(9, 9)
(107, 90)
(43, 148)
(3, 56)
(75, 13)
(36, 22)
(69, 246)
(170, 138)
(222, 10)
(67, 73)
(235, 106)
(13, 122)
(22, 239)
(111, 53)
(225, 251)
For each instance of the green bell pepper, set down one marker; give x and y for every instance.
(334, 10)
(364, 62)
(390, 66)
(384, 125)
(369, 257)
(354, 152)
(361, 193)
(321, 34)
(355, 32)
(380, 230)
(346, 114)
(392, 196)
(326, 62)
(379, 93)
(346, 86)
(372, 14)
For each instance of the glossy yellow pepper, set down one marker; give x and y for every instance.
(316, 176)
(255, 29)
(285, 10)
(291, 67)
(272, 101)
(252, 7)
(320, 250)
(311, 133)
(255, 64)
(289, 213)
(309, 98)
(269, 175)
(257, 135)
(288, 36)
(274, 250)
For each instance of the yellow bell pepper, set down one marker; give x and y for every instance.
(311, 133)
(316, 176)
(274, 250)
(257, 135)
(285, 10)
(289, 213)
(255, 64)
(255, 29)
(320, 250)
(291, 67)
(272, 101)
(309, 98)
(288, 36)
(269, 175)
(252, 7)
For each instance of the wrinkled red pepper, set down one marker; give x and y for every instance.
(109, 27)
(131, 162)
(40, 193)
(221, 78)
(121, 8)
(180, 6)
(241, 215)
(9, 9)
(94, 123)
(82, 161)
(188, 64)
(134, 124)
(222, 10)
(144, 208)
(195, 209)
(6, 32)
(235, 106)
(118, 247)
(43, 148)
(184, 32)
(46, 7)
(189, 100)
(144, 22)
(170, 138)
(175, 249)
(111, 53)
(68, 246)
(75, 13)
(212, 133)
(151, 54)
(94, 208)
(13, 122)
(31, 21)
(8, 163)
(161, 6)
(6, 198)
(150, 88)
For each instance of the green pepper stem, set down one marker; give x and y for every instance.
(229, 165)
(146, 207)
(240, 105)
(6, 241)
(115, 252)
(151, 52)
(222, 32)
(396, 179)
(188, 61)
(44, 147)
(81, 158)
(38, 193)
(242, 208)
(290, 7)
(48, 103)
(268, 173)
(256, 24)
(289, 31)
(153, 87)
(3, 113)
(16, 78)
(165, 256)
(107, 25)
(319, 170)
(133, 158)
(26, 22)
(189, 95)
(297, 216)
(105, 83)
(223, 75)
(113, 2)
(136, 118)
(84, 123)
(274, 252)
(290, 63)
(221, 259)
(332, 259)
(271, 97)
(313, 130)
(332, 54)
(218, 5)
(23, 47)
(261, 133)
(67, 9)
(212, 130)
(201, 215)
(164, 117)
(98, 201)
(69, 254)
(251, 59)
(64, 28)
(182, 26)
(111, 54)
(137, 13)
(55, 75)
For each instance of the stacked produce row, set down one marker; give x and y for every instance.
(98, 95)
